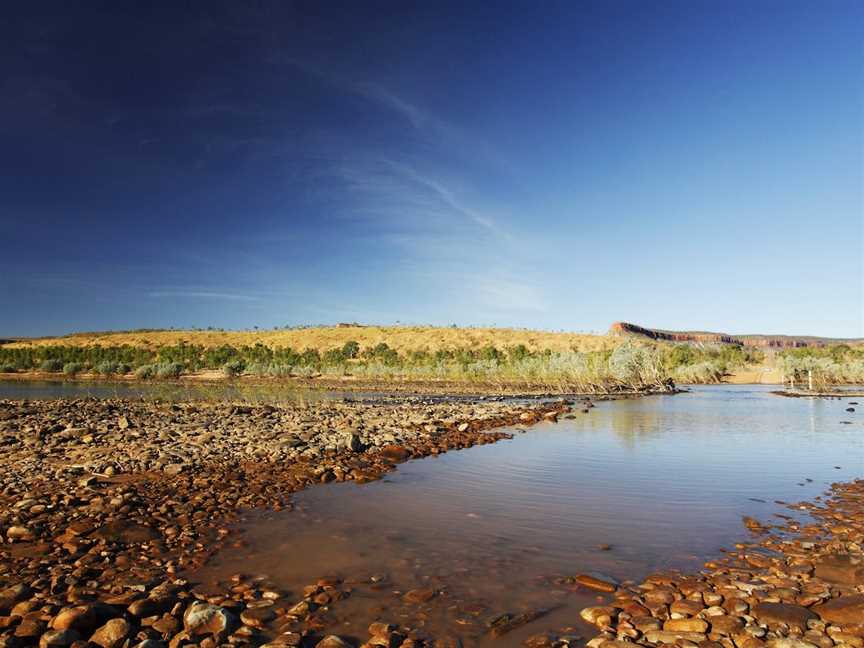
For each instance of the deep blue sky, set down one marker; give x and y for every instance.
(552, 165)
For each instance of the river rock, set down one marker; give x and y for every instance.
(685, 625)
(599, 615)
(150, 643)
(58, 638)
(147, 607)
(112, 634)
(30, 628)
(669, 637)
(726, 624)
(83, 618)
(204, 618)
(686, 607)
(843, 610)
(13, 595)
(302, 608)
(598, 582)
(541, 640)
(20, 533)
(332, 641)
(792, 615)
(395, 453)
(841, 568)
(380, 629)
(789, 642)
(257, 617)
(167, 625)
(418, 595)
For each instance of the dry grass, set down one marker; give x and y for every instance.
(407, 338)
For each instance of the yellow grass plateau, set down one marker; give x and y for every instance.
(400, 338)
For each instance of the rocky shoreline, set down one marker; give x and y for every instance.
(104, 504)
(108, 506)
(793, 586)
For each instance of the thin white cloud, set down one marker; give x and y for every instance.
(436, 131)
(446, 196)
(203, 294)
(383, 97)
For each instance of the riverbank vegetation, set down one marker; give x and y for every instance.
(837, 364)
(630, 365)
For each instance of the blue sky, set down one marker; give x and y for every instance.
(557, 165)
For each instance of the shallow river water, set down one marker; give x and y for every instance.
(663, 481)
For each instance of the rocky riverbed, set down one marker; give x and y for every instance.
(108, 509)
(105, 504)
(795, 585)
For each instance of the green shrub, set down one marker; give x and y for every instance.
(106, 368)
(72, 368)
(350, 349)
(169, 370)
(8, 368)
(51, 365)
(310, 358)
(280, 370)
(383, 354)
(111, 367)
(145, 371)
(257, 368)
(333, 357)
(234, 368)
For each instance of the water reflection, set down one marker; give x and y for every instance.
(663, 480)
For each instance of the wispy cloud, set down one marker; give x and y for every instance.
(437, 132)
(447, 197)
(405, 194)
(376, 93)
(203, 294)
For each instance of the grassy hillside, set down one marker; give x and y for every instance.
(530, 359)
(493, 357)
(398, 338)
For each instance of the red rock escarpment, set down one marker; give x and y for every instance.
(758, 341)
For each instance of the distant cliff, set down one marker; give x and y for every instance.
(707, 337)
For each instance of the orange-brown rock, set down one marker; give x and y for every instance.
(843, 610)
(601, 584)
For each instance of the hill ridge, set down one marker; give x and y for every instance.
(710, 337)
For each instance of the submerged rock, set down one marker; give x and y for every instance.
(599, 582)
